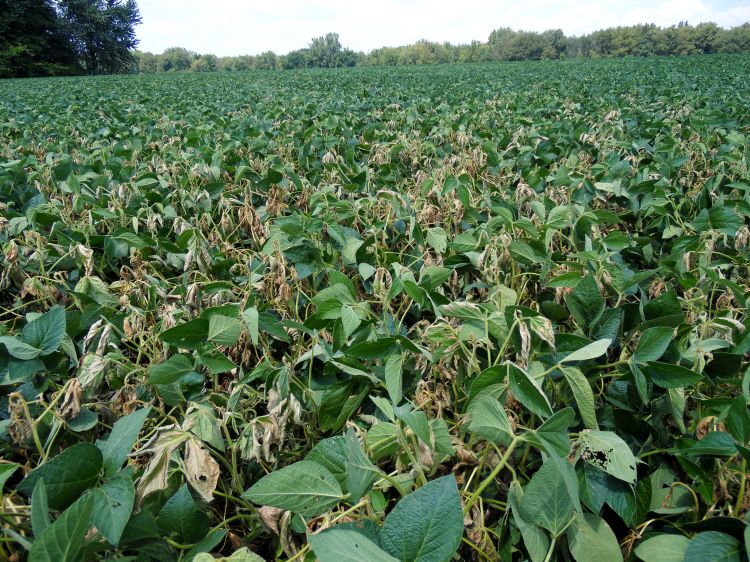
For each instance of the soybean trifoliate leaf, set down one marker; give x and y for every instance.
(39, 508)
(251, 317)
(172, 370)
(182, 519)
(527, 391)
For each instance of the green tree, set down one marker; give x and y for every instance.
(175, 59)
(102, 33)
(31, 40)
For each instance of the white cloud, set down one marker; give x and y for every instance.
(233, 27)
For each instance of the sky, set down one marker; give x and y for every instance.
(238, 27)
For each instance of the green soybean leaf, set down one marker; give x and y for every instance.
(667, 375)
(67, 475)
(346, 545)
(527, 391)
(360, 472)
(713, 546)
(590, 351)
(585, 302)
(547, 499)
(426, 525)
(190, 335)
(172, 370)
(583, 395)
(535, 539)
(393, 377)
(116, 448)
(438, 239)
(590, 539)
(6, 471)
(39, 508)
(47, 331)
(487, 418)
(652, 344)
(349, 319)
(224, 330)
(181, 518)
(663, 548)
(113, 504)
(19, 349)
(250, 315)
(304, 487)
(63, 540)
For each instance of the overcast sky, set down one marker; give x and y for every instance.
(236, 27)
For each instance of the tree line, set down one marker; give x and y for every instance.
(503, 44)
(64, 37)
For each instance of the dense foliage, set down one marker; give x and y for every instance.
(61, 37)
(477, 312)
(503, 44)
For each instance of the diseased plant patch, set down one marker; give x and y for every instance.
(477, 312)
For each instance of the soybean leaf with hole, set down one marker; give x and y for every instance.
(608, 452)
